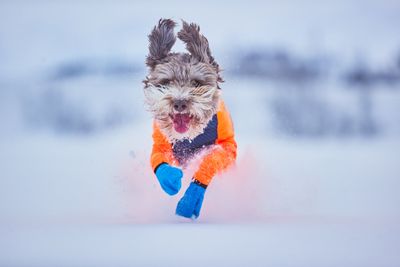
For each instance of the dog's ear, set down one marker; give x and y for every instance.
(197, 44)
(161, 40)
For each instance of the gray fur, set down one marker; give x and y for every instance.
(161, 40)
(196, 43)
(192, 77)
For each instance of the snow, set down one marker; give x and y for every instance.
(274, 244)
(76, 188)
(92, 201)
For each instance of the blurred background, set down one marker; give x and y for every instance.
(313, 88)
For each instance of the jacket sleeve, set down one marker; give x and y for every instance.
(162, 149)
(223, 154)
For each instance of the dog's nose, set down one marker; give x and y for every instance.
(180, 105)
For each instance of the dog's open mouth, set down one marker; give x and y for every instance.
(181, 122)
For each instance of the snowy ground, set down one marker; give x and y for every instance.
(92, 202)
(272, 244)
(76, 188)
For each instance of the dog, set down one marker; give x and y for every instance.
(182, 92)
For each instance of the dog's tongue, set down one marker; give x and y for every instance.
(181, 122)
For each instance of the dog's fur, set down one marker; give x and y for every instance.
(193, 77)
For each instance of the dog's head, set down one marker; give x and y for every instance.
(181, 89)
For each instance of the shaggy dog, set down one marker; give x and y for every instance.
(190, 118)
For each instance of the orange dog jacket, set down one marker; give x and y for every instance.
(218, 138)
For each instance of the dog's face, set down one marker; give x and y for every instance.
(181, 89)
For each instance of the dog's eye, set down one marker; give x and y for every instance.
(196, 83)
(164, 82)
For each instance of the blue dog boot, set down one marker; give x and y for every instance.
(190, 204)
(169, 178)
